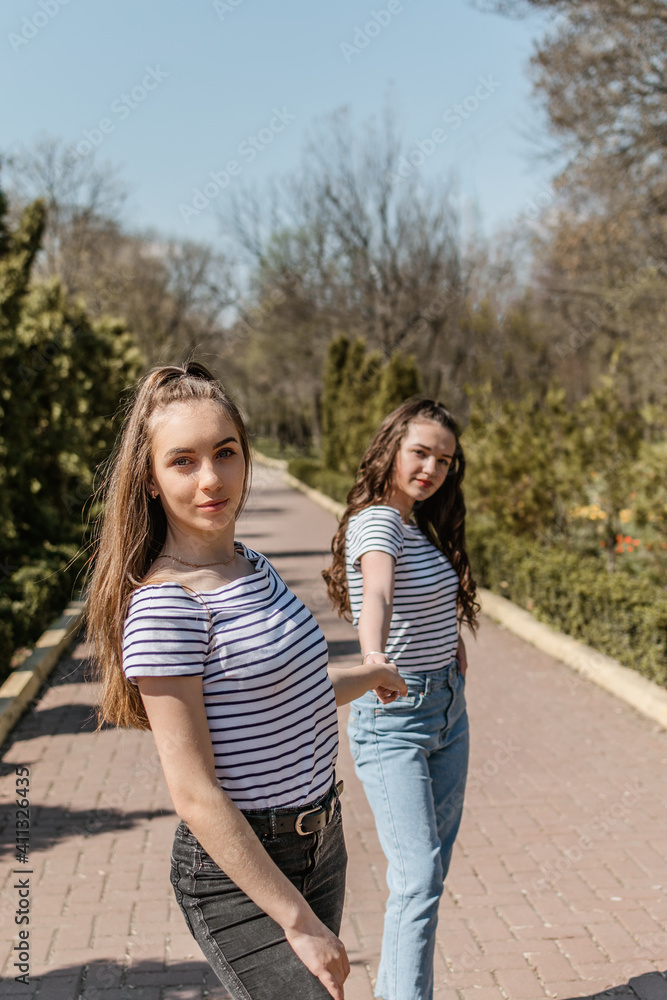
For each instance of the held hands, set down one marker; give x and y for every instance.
(387, 682)
(323, 954)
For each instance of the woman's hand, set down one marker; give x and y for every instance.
(323, 954)
(375, 673)
(462, 656)
(388, 683)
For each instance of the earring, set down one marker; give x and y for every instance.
(153, 495)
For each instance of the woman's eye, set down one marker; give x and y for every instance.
(181, 461)
(225, 453)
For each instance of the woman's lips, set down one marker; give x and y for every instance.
(212, 505)
(425, 483)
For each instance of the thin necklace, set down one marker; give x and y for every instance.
(220, 562)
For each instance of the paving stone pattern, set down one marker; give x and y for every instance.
(558, 886)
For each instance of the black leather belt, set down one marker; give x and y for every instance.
(312, 819)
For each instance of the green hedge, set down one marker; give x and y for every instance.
(616, 613)
(335, 484)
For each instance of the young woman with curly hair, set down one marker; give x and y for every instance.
(401, 572)
(196, 637)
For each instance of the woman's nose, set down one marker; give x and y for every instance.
(208, 476)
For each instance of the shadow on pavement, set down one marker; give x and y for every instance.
(650, 986)
(110, 979)
(52, 824)
(74, 717)
(343, 647)
(142, 979)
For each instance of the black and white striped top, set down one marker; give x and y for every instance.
(423, 634)
(269, 702)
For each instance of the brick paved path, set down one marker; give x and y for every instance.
(559, 880)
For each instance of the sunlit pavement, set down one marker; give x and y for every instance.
(558, 886)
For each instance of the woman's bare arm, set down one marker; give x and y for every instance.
(377, 570)
(175, 709)
(352, 682)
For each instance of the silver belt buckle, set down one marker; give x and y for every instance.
(302, 816)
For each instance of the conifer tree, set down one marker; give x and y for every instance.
(363, 374)
(334, 370)
(399, 381)
(359, 391)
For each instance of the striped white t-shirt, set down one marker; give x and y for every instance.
(262, 657)
(423, 634)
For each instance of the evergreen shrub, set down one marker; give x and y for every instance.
(61, 377)
(38, 592)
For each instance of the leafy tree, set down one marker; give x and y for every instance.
(517, 454)
(600, 72)
(355, 246)
(606, 439)
(601, 275)
(60, 380)
(170, 292)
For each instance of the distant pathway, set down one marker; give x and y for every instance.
(559, 879)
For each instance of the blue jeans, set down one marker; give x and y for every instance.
(247, 949)
(412, 757)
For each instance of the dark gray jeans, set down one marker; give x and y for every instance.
(247, 949)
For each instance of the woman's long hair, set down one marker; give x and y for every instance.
(441, 518)
(132, 529)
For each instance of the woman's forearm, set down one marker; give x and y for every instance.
(374, 622)
(352, 682)
(226, 835)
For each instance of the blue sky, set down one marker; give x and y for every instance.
(185, 88)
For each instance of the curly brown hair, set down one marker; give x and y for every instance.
(441, 518)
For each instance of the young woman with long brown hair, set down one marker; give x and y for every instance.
(196, 637)
(401, 572)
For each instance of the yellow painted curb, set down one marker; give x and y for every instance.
(642, 694)
(23, 683)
